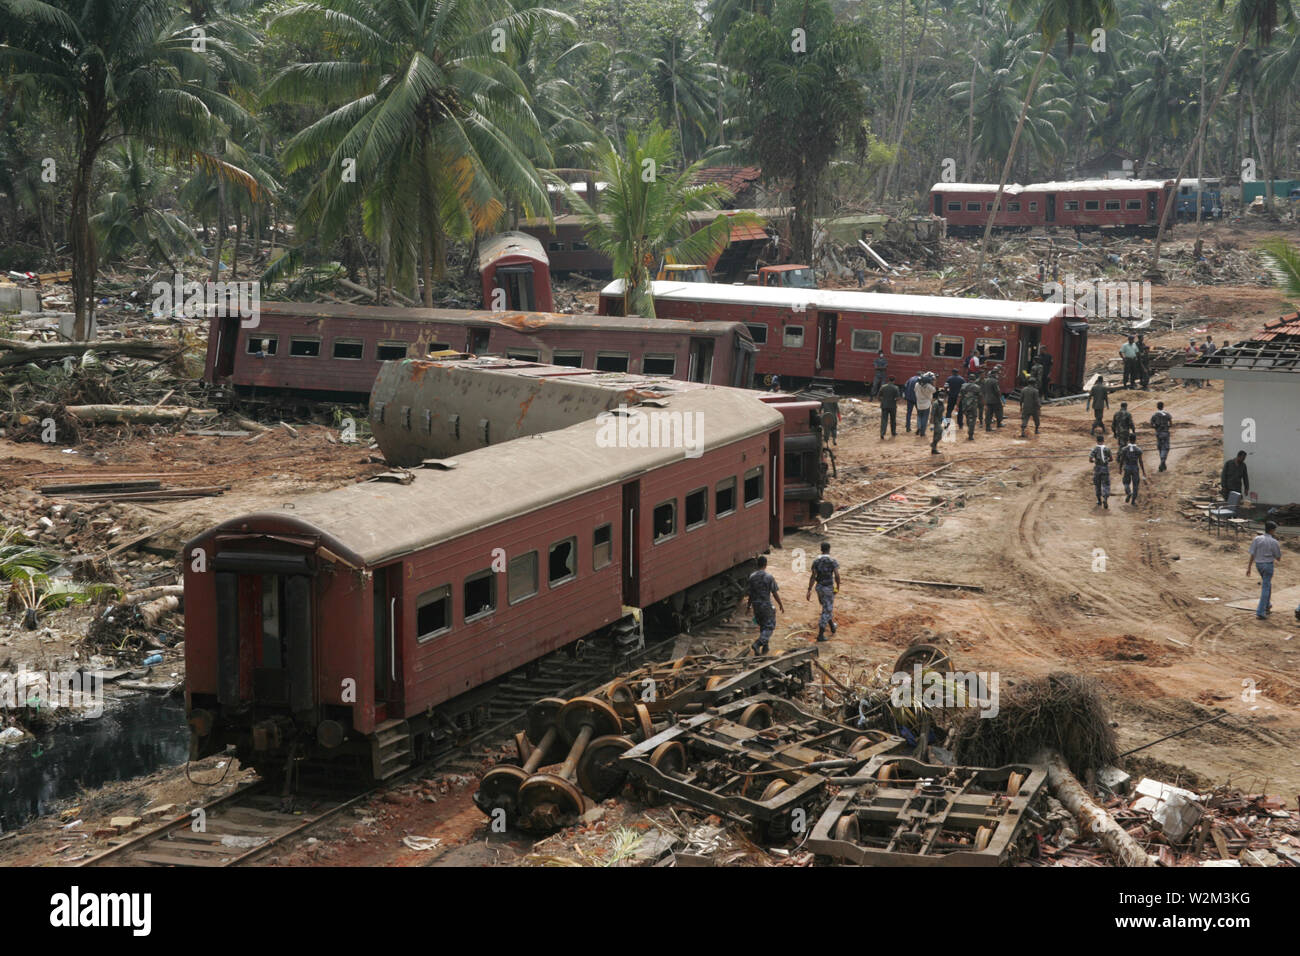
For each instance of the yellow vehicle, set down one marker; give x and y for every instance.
(679, 272)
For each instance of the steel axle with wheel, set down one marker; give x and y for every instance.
(546, 800)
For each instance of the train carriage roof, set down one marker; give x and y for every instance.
(1078, 185)
(511, 244)
(525, 322)
(1030, 313)
(376, 521)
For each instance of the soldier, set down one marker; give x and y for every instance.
(1122, 423)
(831, 426)
(1030, 407)
(991, 393)
(762, 591)
(954, 383)
(1162, 421)
(1234, 476)
(1100, 458)
(970, 406)
(825, 577)
(1036, 373)
(1144, 362)
(1098, 399)
(1130, 459)
(888, 396)
(1045, 358)
(937, 427)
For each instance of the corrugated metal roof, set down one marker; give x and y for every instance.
(1275, 348)
(378, 521)
(995, 310)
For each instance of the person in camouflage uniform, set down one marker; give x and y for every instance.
(1162, 422)
(991, 393)
(1130, 460)
(1030, 407)
(1122, 423)
(825, 577)
(970, 406)
(1101, 458)
(762, 589)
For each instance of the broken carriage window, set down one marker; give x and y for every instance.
(480, 595)
(758, 333)
(433, 612)
(754, 486)
(697, 508)
(665, 520)
(304, 348)
(793, 338)
(949, 346)
(390, 351)
(563, 563)
(602, 546)
(724, 498)
(522, 577)
(264, 344)
(994, 349)
(905, 343)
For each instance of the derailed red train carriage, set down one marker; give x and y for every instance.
(1132, 206)
(366, 624)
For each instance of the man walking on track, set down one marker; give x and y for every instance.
(1162, 422)
(1264, 552)
(825, 577)
(1100, 458)
(762, 591)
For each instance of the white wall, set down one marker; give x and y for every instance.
(1274, 456)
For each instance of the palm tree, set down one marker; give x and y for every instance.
(129, 215)
(429, 128)
(644, 213)
(1055, 17)
(119, 68)
(1162, 93)
(1284, 259)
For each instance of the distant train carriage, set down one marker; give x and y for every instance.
(1132, 206)
(367, 624)
(834, 335)
(332, 351)
(516, 273)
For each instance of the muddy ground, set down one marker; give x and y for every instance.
(1132, 596)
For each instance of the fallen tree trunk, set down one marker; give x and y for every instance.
(145, 595)
(135, 414)
(154, 611)
(1092, 818)
(14, 352)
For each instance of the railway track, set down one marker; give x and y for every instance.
(902, 506)
(245, 824)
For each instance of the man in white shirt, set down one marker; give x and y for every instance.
(1264, 552)
(925, 390)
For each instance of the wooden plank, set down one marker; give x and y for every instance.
(139, 539)
(172, 859)
(954, 585)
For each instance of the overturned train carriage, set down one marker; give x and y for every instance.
(369, 624)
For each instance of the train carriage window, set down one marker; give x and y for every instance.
(995, 350)
(567, 357)
(1133, 204)
(949, 346)
(865, 340)
(580, 246)
(304, 347)
(792, 337)
(1013, 207)
(724, 497)
(522, 355)
(438, 347)
(954, 207)
(973, 207)
(659, 364)
(665, 518)
(263, 345)
(611, 361)
(905, 343)
(563, 562)
(1112, 204)
(433, 613)
(555, 247)
(602, 547)
(753, 486)
(390, 351)
(697, 508)
(1071, 205)
(349, 349)
(480, 595)
(758, 333)
(521, 577)
(1033, 207)
(1091, 205)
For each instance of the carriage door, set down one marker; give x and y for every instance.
(1151, 208)
(938, 204)
(827, 322)
(476, 341)
(1051, 207)
(227, 339)
(387, 594)
(631, 535)
(518, 283)
(701, 366)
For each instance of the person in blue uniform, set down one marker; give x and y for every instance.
(825, 577)
(763, 590)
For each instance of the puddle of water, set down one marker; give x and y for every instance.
(132, 737)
